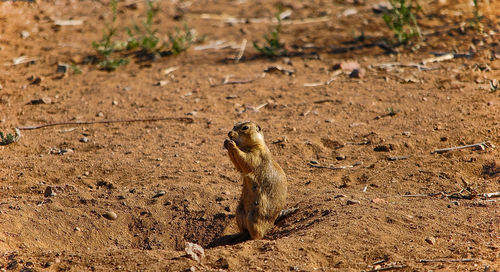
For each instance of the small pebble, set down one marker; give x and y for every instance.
(44, 100)
(160, 193)
(378, 200)
(100, 114)
(25, 34)
(114, 103)
(62, 68)
(431, 240)
(49, 192)
(84, 140)
(352, 202)
(340, 157)
(382, 148)
(66, 150)
(77, 229)
(110, 215)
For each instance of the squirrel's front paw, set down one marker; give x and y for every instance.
(228, 144)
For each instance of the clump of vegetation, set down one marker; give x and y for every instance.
(146, 37)
(476, 20)
(401, 19)
(181, 40)
(273, 47)
(10, 138)
(392, 112)
(106, 46)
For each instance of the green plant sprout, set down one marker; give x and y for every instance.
(401, 19)
(106, 46)
(9, 138)
(181, 40)
(146, 37)
(273, 47)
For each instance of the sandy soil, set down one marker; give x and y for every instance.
(171, 182)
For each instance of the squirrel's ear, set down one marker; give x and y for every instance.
(258, 128)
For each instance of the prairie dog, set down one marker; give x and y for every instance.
(264, 182)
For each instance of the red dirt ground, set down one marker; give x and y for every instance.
(352, 219)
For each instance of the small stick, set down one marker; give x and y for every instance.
(481, 146)
(491, 195)
(446, 261)
(397, 64)
(387, 268)
(227, 81)
(444, 57)
(242, 51)
(335, 167)
(187, 120)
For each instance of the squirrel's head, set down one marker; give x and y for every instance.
(246, 135)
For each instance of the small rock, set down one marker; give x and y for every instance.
(62, 68)
(100, 114)
(378, 200)
(406, 133)
(352, 202)
(192, 113)
(103, 183)
(161, 83)
(35, 80)
(84, 140)
(110, 215)
(114, 103)
(25, 34)
(382, 148)
(194, 251)
(357, 73)
(160, 193)
(77, 229)
(49, 192)
(66, 150)
(231, 96)
(44, 100)
(431, 240)
(340, 157)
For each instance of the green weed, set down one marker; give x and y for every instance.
(181, 40)
(392, 112)
(146, 37)
(476, 19)
(9, 138)
(106, 46)
(273, 47)
(401, 19)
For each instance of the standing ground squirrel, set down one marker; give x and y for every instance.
(264, 182)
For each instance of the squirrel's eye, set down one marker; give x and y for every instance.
(244, 128)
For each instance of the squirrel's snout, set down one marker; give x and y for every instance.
(232, 135)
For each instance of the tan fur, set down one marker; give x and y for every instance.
(264, 182)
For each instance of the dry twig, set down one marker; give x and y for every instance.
(478, 146)
(335, 167)
(242, 51)
(187, 120)
(389, 65)
(446, 261)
